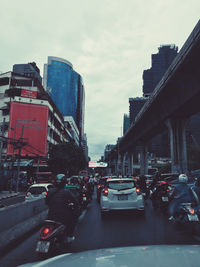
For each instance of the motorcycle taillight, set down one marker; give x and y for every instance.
(192, 211)
(46, 232)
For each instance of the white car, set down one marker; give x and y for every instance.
(121, 194)
(38, 190)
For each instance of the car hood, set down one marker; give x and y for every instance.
(139, 256)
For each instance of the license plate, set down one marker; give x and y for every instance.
(84, 198)
(193, 218)
(165, 198)
(43, 246)
(123, 197)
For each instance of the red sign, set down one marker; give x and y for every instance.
(28, 93)
(28, 124)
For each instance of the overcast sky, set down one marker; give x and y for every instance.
(109, 42)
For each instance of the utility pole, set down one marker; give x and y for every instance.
(2, 142)
(19, 158)
(38, 167)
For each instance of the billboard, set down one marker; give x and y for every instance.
(95, 164)
(30, 123)
(28, 93)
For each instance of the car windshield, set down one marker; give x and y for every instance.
(120, 185)
(37, 190)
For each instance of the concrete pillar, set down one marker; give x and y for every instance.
(143, 160)
(118, 164)
(130, 163)
(124, 164)
(178, 147)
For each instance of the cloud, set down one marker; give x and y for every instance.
(108, 42)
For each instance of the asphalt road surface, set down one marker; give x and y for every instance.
(117, 229)
(13, 200)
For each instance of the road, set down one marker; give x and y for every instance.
(13, 200)
(118, 229)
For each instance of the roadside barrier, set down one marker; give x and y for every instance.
(18, 219)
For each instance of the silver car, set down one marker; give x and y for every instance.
(121, 194)
(38, 191)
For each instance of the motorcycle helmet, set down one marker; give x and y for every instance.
(183, 178)
(60, 179)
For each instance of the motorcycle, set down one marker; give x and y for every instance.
(85, 197)
(160, 196)
(52, 237)
(187, 213)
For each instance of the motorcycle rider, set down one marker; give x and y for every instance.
(142, 184)
(182, 193)
(63, 206)
(152, 187)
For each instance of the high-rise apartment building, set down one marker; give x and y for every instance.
(160, 63)
(29, 70)
(65, 86)
(135, 105)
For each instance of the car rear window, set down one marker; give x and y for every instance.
(37, 190)
(121, 185)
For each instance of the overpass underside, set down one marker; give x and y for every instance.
(175, 99)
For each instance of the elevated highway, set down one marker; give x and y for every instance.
(175, 98)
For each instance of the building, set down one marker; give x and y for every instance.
(126, 123)
(160, 63)
(159, 145)
(29, 118)
(71, 126)
(29, 70)
(135, 105)
(107, 150)
(65, 86)
(84, 145)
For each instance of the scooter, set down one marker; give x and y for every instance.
(187, 213)
(52, 237)
(161, 196)
(85, 197)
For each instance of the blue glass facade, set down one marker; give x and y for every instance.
(62, 82)
(66, 89)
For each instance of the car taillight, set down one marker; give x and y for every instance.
(105, 191)
(138, 190)
(27, 194)
(45, 194)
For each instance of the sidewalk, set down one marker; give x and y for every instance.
(7, 194)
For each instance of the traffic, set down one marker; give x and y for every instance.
(170, 195)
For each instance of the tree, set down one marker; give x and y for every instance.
(66, 158)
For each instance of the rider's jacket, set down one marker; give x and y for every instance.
(58, 200)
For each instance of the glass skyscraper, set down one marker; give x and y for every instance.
(65, 87)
